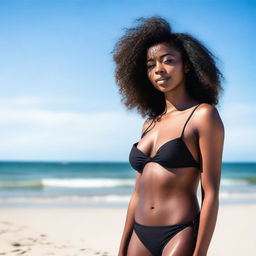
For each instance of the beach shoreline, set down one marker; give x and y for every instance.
(97, 231)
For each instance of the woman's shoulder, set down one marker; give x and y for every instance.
(206, 110)
(208, 115)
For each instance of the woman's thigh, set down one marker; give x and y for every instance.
(136, 247)
(182, 244)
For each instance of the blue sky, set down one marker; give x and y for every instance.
(59, 100)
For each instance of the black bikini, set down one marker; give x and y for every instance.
(172, 154)
(155, 238)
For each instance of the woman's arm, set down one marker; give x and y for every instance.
(128, 227)
(211, 140)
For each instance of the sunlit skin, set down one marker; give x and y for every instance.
(167, 196)
(165, 61)
(172, 198)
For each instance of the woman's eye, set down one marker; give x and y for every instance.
(166, 61)
(150, 66)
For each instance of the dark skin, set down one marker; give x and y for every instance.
(167, 196)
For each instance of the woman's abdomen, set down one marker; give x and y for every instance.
(167, 196)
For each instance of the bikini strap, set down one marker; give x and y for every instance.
(189, 118)
(144, 133)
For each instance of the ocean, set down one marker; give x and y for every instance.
(99, 184)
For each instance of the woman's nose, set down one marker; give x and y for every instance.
(159, 68)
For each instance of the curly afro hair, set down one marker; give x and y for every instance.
(203, 81)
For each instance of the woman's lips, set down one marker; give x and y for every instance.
(163, 80)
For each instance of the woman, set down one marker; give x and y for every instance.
(173, 80)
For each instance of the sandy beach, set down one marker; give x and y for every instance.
(95, 231)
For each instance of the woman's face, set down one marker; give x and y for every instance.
(165, 67)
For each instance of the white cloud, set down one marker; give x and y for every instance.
(12, 102)
(239, 113)
(30, 131)
(240, 122)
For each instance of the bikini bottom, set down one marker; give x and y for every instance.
(155, 238)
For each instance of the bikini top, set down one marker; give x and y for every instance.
(172, 154)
